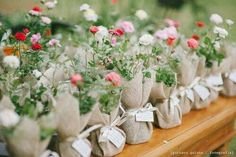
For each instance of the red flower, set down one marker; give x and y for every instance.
(117, 32)
(36, 46)
(200, 24)
(26, 30)
(170, 41)
(20, 36)
(195, 36)
(93, 29)
(37, 9)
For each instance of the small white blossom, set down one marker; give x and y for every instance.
(84, 7)
(90, 15)
(216, 19)
(11, 61)
(54, 42)
(217, 45)
(220, 31)
(146, 39)
(34, 13)
(141, 14)
(8, 118)
(37, 73)
(46, 20)
(229, 22)
(50, 4)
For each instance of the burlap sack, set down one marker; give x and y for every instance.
(25, 142)
(187, 67)
(204, 73)
(185, 104)
(130, 125)
(168, 114)
(229, 87)
(101, 145)
(52, 76)
(71, 124)
(132, 93)
(160, 91)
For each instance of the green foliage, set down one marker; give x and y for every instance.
(46, 133)
(210, 53)
(29, 106)
(109, 100)
(166, 76)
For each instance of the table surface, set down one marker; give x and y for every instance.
(195, 125)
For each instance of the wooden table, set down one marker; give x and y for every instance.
(201, 132)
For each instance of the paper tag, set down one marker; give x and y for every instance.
(174, 101)
(190, 95)
(202, 91)
(215, 80)
(116, 138)
(82, 147)
(146, 116)
(232, 77)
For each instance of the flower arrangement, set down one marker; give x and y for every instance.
(105, 79)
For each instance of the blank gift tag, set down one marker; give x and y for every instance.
(232, 77)
(202, 91)
(116, 137)
(190, 95)
(82, 147)
(146, 116)
(174, 101)
(215, 80)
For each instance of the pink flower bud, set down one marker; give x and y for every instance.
(192, 43)
(75, 79)
(114, 78)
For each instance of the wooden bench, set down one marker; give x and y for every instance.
(202, 131)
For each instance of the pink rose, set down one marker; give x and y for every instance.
(172, 32)
(168, 32)
(35, 38)
(75, 79)
(127, 26)
(161, 34)
(46, 20)
(54, 42)
(171, 22)
(114, 78)
(192, 43)
(113, 41)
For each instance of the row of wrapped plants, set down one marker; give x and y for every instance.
(104, 86)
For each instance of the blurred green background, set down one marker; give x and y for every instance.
(190, 11)
(185, 11)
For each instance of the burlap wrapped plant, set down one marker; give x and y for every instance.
(186, 70)
(164, 97)
(108, 140)
(134, 98)
(27, 137)
(71, 127)
(208, 87)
